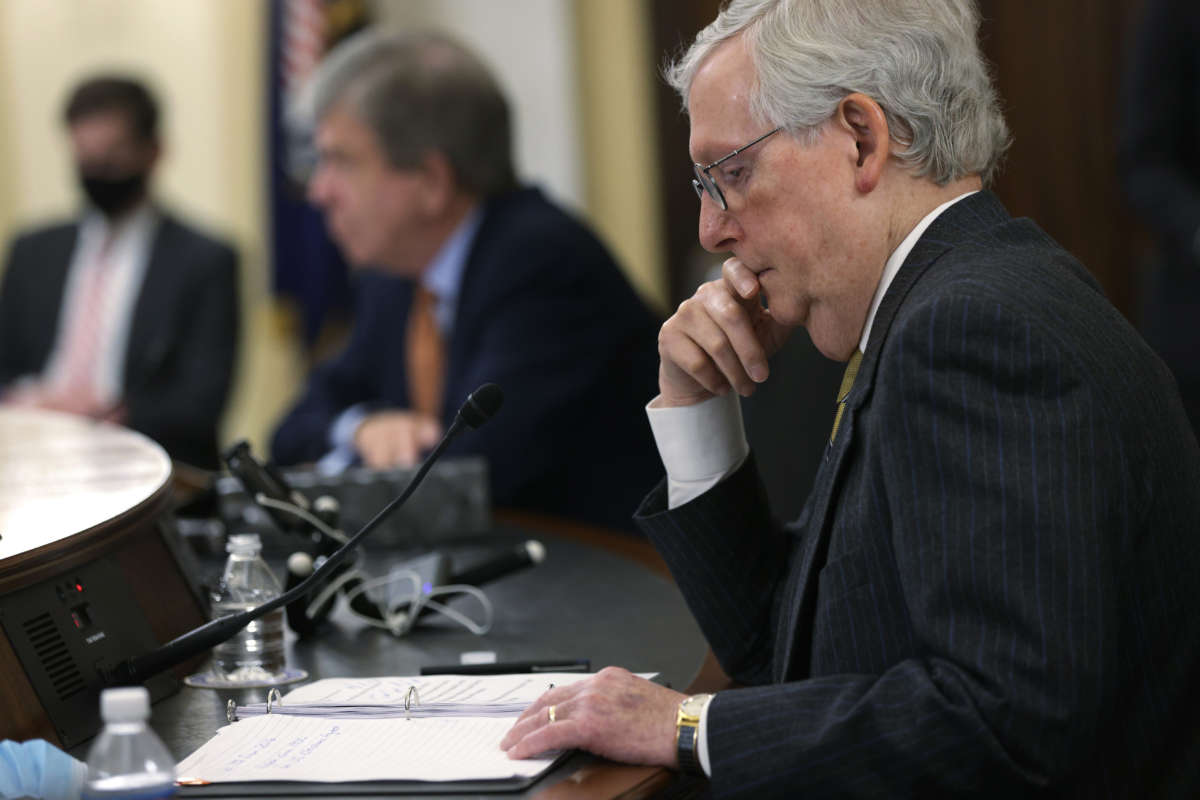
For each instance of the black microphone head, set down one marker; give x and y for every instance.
(481, 405)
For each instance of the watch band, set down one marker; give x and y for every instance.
(687, 733)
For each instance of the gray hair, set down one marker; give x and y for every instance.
(421, 92)
(919, 59)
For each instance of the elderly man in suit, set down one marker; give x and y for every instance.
(125, 314)
(482, 280)
(988, 591)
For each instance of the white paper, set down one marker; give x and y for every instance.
(355, 734)
(289, 748)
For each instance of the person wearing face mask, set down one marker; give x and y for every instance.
(125, 313)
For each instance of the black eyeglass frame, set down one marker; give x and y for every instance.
(703, 182)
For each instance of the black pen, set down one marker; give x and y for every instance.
(504, 667)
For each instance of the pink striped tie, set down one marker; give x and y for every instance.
(84, 330)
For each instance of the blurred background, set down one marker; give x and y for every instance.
(595, 126)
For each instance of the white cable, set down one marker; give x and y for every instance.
(307, 516)
(401, 622)
(477, 628)
(330, 590)
(397, 623)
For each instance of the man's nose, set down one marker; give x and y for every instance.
(719, 231)
(317, 188)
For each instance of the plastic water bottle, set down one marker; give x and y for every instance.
(256, 654)
(128, 760)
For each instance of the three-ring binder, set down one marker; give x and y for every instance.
(412, 699)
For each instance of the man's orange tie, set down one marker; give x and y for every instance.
(426, 355)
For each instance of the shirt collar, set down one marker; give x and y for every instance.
(96, 227)
(443, 277)
(896, 260)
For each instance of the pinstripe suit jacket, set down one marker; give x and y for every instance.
(986, 592)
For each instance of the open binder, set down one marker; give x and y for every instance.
(428, 734)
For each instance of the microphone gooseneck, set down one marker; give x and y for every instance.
(479, 407)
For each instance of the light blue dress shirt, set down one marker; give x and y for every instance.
(443, 278)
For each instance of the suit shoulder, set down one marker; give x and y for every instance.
(205, 246)
(527, 219)
(46, 233)
(1015, 264)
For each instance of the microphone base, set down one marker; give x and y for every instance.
(210, 679)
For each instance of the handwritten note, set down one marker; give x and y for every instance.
(289, 748)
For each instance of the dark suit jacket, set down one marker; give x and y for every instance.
(182, 339)
(1159, 159)
(545, 313)
(989, 589)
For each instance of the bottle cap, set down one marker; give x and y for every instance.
(127, 704)
(244, 544)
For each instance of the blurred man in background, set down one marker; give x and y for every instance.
(483, 281)
(124, 314)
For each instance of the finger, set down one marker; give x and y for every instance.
(536, 720)
(741, 279)
(555, 695)
(536, 714)
(687, 356)
(405, 449)
(564, 734)
(729, 335)
(429, 430)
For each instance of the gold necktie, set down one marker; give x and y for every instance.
(844, 391)
(425, 354)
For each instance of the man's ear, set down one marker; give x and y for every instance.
(438, 183)
(864, 119)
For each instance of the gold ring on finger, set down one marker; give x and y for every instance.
(550, 713)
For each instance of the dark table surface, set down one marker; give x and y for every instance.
(584, 601)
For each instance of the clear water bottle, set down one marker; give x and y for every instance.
(128, 760)
(255, 655)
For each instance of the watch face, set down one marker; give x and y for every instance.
(693, 705)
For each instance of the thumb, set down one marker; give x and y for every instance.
(772, 333)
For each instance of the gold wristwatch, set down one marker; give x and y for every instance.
(687, 727)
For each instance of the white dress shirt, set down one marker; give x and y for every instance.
(705, 443)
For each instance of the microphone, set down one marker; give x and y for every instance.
(479, 407)
(264, 480)
(526, 554)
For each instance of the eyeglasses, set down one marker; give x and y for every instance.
(703, 182)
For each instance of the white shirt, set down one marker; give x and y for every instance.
(127, 259)
(705, 443)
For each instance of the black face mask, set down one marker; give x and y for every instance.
(113, 195)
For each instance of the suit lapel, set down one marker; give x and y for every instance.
(49, 284)
(148, 342)
(794, 638)
(961, 222)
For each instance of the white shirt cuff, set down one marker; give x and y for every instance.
(700, 445)
(341, 432)
(702, 740)
(342, 453)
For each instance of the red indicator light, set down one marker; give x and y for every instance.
(75, 617)
(79, 587)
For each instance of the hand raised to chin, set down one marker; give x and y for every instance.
(718, 339)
